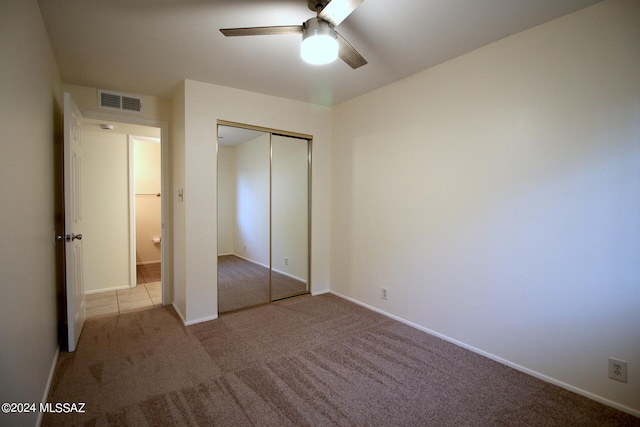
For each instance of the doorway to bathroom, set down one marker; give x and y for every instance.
(147, 211)
(123, 208)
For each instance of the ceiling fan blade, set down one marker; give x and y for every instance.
(338, 10)
(261, 31)
(348, 54)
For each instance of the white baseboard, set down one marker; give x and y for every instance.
(251, 261)
(97, 291)
(47, 388)
(192, 322)
(284, 273)
(175, 307)
(326, 291)
(149, 262)
(495, 358)
(201, 320)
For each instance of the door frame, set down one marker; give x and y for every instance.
(165, 237)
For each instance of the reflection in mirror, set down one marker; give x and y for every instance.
(243, 218)
(289, 216)
(263, 217)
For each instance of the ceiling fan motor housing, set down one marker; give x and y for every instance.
(317, 27)
(317, 5)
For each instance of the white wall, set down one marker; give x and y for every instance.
(203, 105)
(30, 129)
(154, 109)
(497, 197)
(105, 207)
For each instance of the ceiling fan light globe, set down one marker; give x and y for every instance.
(319, 49)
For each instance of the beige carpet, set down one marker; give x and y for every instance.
(306, 361)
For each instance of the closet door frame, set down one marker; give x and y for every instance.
(296, 135)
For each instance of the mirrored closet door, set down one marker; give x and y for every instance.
(263, 215)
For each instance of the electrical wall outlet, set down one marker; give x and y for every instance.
(244, 248)
(384, 293)
(286, 261)
(617, 370)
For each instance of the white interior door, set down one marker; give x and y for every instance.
(74, 272)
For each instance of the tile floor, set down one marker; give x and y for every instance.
(143, 296)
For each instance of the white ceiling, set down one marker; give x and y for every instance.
(149, 46)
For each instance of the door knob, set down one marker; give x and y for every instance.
(71, 237)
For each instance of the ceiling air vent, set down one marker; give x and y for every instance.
(120, 101)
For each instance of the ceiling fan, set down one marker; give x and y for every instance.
(321, 43)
